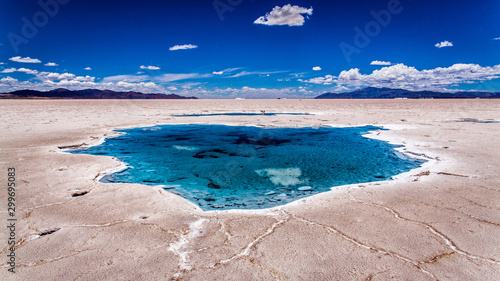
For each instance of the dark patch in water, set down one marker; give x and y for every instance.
(251, 167)
(237, 114)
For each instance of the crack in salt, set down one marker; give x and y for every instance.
(181, 247)
(367, 247)
(447, 240)
(248, 248)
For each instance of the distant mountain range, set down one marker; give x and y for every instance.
(387, 93)
(366, 93)
(86, 94)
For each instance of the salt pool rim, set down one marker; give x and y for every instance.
(120, 131)
(400, 147)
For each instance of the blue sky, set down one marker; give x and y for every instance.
(252, 49)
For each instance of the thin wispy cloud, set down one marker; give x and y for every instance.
(51, 64)
(164, 78)
(498, 38)
(170, 77)
(218, 72)
(377, 62)
(444, 44)
(286, 15)
(246, 73)
(87, 68)
(183, 47)
(150, 67)
(25, 60)
(127, 78)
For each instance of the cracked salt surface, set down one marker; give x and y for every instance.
(238, 167)
(183, 247)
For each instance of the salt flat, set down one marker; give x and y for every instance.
(441, 221)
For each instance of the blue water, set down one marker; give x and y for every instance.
(238, 114)
(231, 167)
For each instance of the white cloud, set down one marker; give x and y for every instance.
(48, 77)
(2, 63)
(8, 80)
(316, 68)
(45, 81)
(183, 47)
(150, 67)
(27, 71)
(249, 93)
(377, 62)
(51, 64)
(444, 44)
(87, 68)
(9, 84)
(127, 78)
(25, 60)
(164, 78)
(407, 77)
(169, 77)
(498, 38)
(8, 70)
(262, 73)
(218, 72)
(327, 80)
(53, 76)
(286, 15)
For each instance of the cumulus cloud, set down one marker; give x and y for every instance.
(286, 15)
(327, 80)
(444, 44)
(218, 72)
(9, 84)
(87, 68)
(408, 77)
(249, 93)
(8, 70)
(150, 67)
(51, 64)
(183, 47)
(8, 80)
(377, 62)
(27, 71)
(25, 60)
(53, 76)
(45, 81)
(317, 68)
